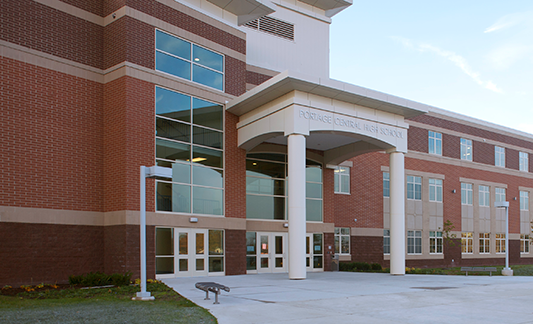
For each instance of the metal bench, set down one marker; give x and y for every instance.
(478, 269)
(211, 287)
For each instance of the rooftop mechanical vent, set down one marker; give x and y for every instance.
(273, 26)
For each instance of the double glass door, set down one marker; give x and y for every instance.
(266, 252)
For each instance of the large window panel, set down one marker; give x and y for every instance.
(208, 58)
(181, 172)
(172, 104)
(207, 157)
(262, 186)
(207, 201)
(173, 45)
(265, 207)
(207, 137)
(172, 130)
(265, 169)
(173, 197)
(313, 190)
(207, 114)
(207, 177)
(172, 65)
(169, 150)
(313, 210)
(208, 77)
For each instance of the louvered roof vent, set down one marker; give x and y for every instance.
(273, 26)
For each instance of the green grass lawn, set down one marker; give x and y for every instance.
(102, 305)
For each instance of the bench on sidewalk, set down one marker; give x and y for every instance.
(479, 269)
(211, 287)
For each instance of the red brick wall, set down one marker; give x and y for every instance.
(235, 252)
(483, 152)
(256, 78)
(93, 6)
(367, 249)
(329, 240)
(47, 253)
(39, 27)
(451, 146)
(128, 39)
(122, 253)
(496, 136)
(512, 159)
(235, 167)
(235, 71)
(418, 139)
(112, 5)
(129, 142)
(365, 201)
(329, 195)
(51, 139)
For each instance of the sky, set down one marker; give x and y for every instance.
(471, 57)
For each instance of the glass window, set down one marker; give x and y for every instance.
(386, 241)
(177, 57)
(484, 196)
(500, 243)
(524, 161)
(499, 194)
(386, 184)
(435, 190)
(317, 251)
(435, 143)
(484, 243)
(466, 193)
(414, 242)
(342, 240)
(207, 114)
(197, 167)
(466, 149)
(207, 58)
(251, 251)
(524, 243)
(524, 200)
(499, 156)
(435, 242)
(342, 180)
(467, 243)
(414, 188)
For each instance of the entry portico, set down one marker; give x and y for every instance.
(339, 119)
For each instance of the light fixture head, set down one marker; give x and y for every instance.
(454, 191)
(286, 225)
(355, 220)
(193, 220)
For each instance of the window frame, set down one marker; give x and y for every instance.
(341, 176)
(468, 193)
(435, 187)
(499, 194)
(338, 235)
(436, 241)
(524, 243)
(386, 184)
(191, 61)
(386, 241)
(500, 242)
(499, 156)
(467, 150)
(523, 158)
(467, 243)
(415, 182)
(414, 242)
(485, 202)
(434, 143)
(524, 200)
(484, 243)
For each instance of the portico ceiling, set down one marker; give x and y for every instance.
(286, 82)
(246, 10)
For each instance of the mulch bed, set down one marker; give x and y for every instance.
(14, 291)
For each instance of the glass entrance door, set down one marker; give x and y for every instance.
(266, 252)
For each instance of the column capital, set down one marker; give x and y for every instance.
(395, 150)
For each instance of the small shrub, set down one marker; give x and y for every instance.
(100, 279)
(376, 266)
(345, 266)
(362, 266)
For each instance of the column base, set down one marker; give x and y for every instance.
(507, 272)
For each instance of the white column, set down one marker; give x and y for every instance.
(296, 155)
(397, 214)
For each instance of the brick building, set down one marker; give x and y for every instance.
(236, 98)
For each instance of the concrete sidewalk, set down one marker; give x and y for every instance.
(346, 297)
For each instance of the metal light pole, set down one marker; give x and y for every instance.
(147, 172)
(505, 204)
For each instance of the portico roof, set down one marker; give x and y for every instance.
(246, 10)
(286, 82)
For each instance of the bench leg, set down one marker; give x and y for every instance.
(206, 295)
(490, 273)
(216, 298)
(466, 273)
